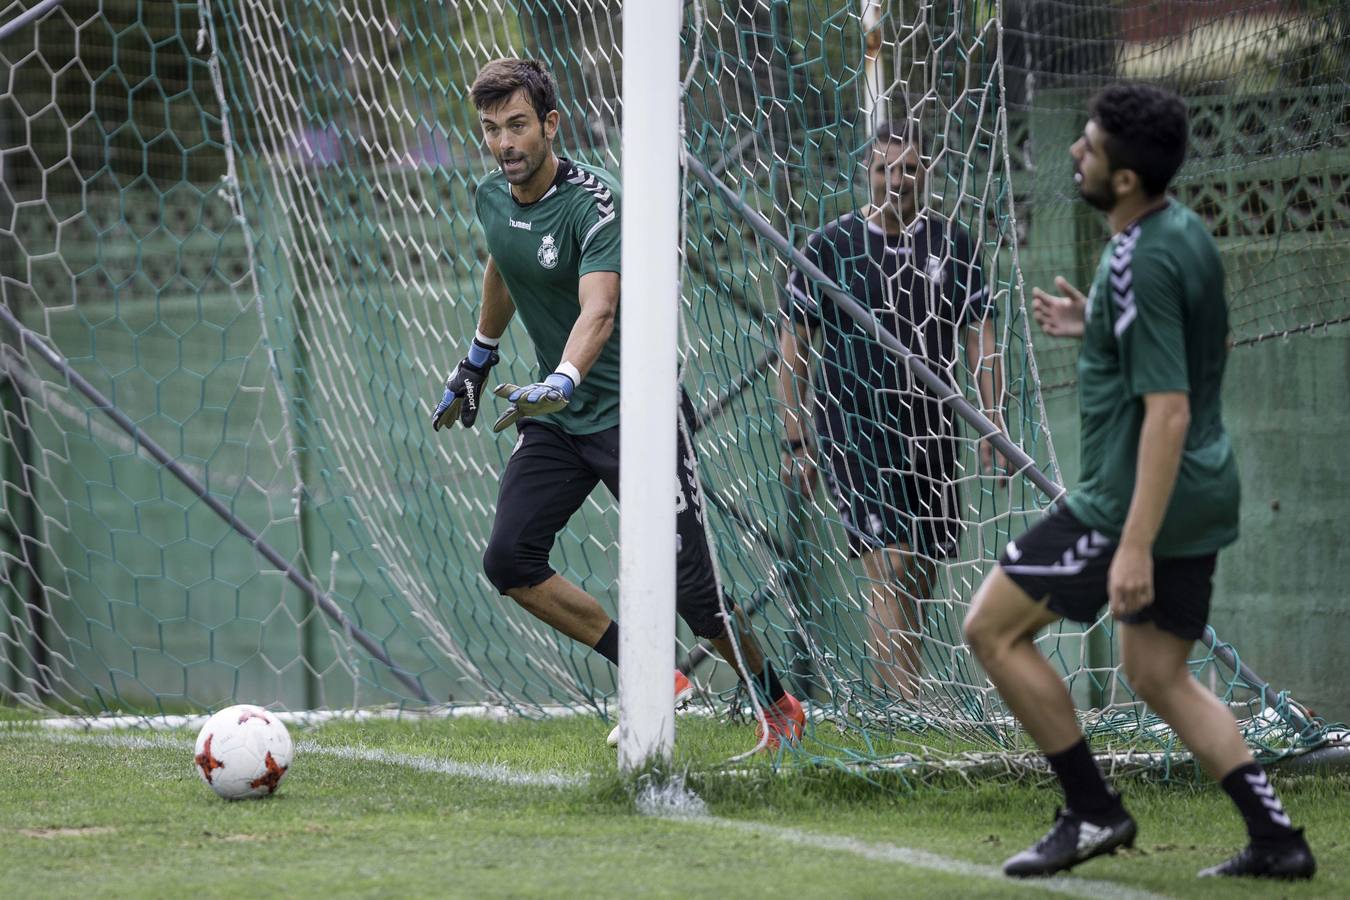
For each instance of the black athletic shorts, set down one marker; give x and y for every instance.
(890, 488)
(1064, 560)
(547, 479)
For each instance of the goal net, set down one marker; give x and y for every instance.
(247, 227)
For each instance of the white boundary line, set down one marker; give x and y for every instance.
(1066, 885)
(300, 717)
(494, 772)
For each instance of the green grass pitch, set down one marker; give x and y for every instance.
(472, 808)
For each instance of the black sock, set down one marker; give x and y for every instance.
(768, 682)
(1085, 790)
(1255, 798)
(608, 645)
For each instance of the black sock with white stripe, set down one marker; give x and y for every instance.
(1254, 795)
(1085, 790)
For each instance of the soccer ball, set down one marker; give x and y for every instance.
(242, 751)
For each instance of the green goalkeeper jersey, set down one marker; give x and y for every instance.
(541, 250)
(1157, 321)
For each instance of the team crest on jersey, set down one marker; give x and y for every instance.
(548, 252)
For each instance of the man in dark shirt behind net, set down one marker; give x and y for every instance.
(886, 446)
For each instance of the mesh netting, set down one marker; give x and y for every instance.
(1268, 91)
(250, 225)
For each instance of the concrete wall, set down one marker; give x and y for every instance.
(1281, 592)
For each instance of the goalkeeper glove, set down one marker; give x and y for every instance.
(538, 399)
(464, 387)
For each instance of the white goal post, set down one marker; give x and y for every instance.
(649, 318)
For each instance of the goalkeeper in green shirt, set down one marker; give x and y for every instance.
(1158, 498)
(552, 229)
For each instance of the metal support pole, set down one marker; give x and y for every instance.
(255, 540)
(27, 17)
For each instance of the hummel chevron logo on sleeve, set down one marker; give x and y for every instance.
(604, 202)
(1122, 278)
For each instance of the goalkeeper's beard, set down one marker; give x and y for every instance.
(526, 172)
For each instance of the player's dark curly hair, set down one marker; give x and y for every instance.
(501, 78)
(1145, 132)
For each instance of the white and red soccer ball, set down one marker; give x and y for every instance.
(243, 751)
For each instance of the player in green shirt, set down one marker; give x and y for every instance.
(1157, 500)
(552, 229)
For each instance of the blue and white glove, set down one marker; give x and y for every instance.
(464, 387)
(538, 399)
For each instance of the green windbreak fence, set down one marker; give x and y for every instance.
(250, 225)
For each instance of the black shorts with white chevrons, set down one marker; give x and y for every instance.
(1064, 562)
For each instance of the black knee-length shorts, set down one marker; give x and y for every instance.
(547, 479)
